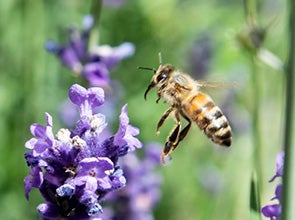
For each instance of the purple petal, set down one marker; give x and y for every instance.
(95, 167)
(153, 152)
(77, 94)
(86, 100)
(44, 136)
(95, 97)
(125, 134)
(112, 55)
(79, 44)
(68, 113)
(104, 183)
(69, 57)
(34, 179)
(52, 47)
(279, 166)
(88, 197)
(38, 130)
(125, 50)
(118, 180)
(280, 163)
(48, 119)
(271, 210)
(30, 144)
(278, 192)
(96, 73)
(88, 22)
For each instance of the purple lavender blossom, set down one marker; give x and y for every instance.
(200, 56)
(75, 170)
(138, 199)
(94, 65)
(279, 166)
(273, 211)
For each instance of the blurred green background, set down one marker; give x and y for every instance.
(203, 181)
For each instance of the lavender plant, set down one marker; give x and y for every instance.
(273, 211)
(95, 64)
(142, 193)
(74, 170)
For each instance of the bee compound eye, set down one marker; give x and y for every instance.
(162, 75)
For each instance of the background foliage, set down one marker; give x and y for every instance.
(203, 181)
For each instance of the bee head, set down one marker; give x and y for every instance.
(160, 77)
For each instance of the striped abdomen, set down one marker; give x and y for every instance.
(201, 109)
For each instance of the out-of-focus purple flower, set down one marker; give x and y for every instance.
(211, 179)
(69, 113)
(74, 170)
(138, 199)
(273, 211)
(112, 55)
(126, 132)
(279, 166)
(200, 56)
(94, 65)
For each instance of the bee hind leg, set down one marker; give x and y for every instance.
(171, 143)
(185, 130)
(175, 137)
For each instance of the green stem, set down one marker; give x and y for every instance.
(256, 125)
(288, 202)
(250, 8)
(96, 13)
(257, 176)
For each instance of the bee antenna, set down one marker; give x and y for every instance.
(147, 68)
(160, 58)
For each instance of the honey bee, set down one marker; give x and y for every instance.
(183, 95)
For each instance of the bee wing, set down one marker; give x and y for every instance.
(212, 84)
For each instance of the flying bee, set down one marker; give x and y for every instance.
(183, 95)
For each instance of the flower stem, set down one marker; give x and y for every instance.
(95, 11)
(250, 8)
(288, 202)
(256, 182)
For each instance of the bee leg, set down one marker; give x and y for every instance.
(173, 138)
(185, 130)
(164, 117)
(158, 99)
(170, 144)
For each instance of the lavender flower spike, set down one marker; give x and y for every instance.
(273, 211)
(126, 132)
(86, 99)
(94, 65)
(75, 170)
(279, 166)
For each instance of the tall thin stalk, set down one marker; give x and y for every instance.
(288, 202)
(250, 8)
(95, 11)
